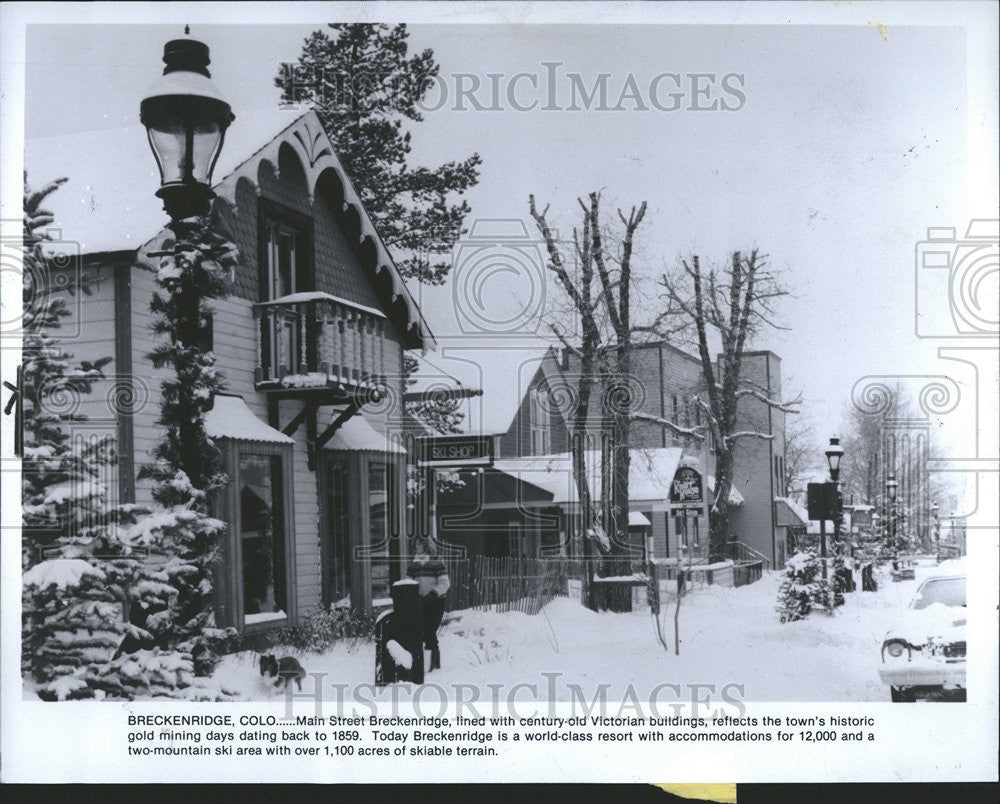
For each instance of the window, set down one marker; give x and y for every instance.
(380, 511)
(285, 265)
(541, 429)
(281, 257)
(261, 540)
(676, 410)
(339, 560)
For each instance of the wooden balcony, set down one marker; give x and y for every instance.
(317, 345)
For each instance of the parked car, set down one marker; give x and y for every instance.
(924, 653)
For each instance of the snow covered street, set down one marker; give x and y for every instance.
(728, 637)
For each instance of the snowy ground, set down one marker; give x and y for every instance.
(728, 636)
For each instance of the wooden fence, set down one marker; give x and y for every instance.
(744, 573)
(528, 584)
(509, 584)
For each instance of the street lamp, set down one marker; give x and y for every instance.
(186, 121)
(890, 488)
(833, 455)
(935, 512)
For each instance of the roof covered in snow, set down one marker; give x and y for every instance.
(792, 511)
(231, 418)
(650, 473)
(358, 435)
(109, 202)
(507, 373)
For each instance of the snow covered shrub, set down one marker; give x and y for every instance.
(321, 628)
(174, 599)
(802, 588)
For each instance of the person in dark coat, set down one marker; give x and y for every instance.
(431, 575)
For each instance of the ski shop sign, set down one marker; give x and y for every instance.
(456, 451)
(686, 488)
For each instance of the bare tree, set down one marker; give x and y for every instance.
(600, 294)
(802, 458)
(732, 302)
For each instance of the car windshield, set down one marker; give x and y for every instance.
(947, 591)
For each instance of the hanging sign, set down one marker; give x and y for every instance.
(458, 450)
(686, 488)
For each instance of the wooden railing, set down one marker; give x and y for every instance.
(744, 554)
(314, 339)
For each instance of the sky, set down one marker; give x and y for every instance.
(848, 143)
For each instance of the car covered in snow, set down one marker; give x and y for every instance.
(924, 652)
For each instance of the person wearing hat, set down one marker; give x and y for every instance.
(431, 575)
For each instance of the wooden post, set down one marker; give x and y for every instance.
(822, 543)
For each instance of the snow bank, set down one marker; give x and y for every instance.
(727, 636)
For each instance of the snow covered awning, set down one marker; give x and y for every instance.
(357, 435)
(789, 513)
(638, 520)
(231, 418)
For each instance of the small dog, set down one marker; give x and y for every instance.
(281, 671)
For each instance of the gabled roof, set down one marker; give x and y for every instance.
(506, 376)
(109, 202)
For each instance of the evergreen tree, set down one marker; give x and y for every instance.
(61, 488)
(174, 596)
(78, 568)
(364, 86)
(803, 589)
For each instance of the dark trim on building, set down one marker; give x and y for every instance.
(124, 392)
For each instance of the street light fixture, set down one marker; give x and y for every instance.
(186, 121)
(891, 487)
(833, 455)
(935, 512)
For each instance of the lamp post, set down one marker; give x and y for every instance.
(834, 453)
(935, 512)
(186, 121)
(890, 488)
